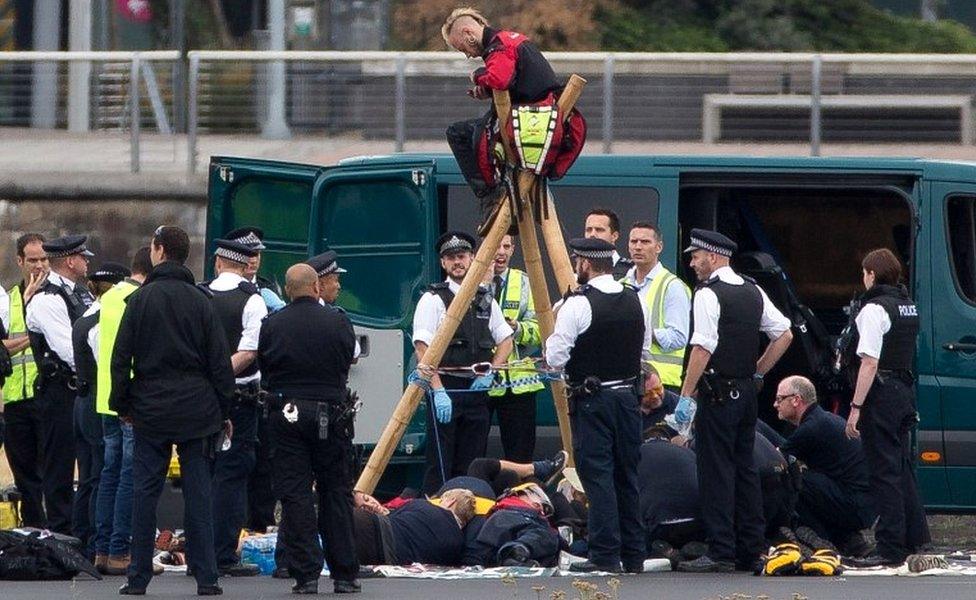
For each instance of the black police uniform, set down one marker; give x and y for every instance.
(834, 498)
(725, 429)
(55, 388)
(465, 437)
(603, 372)
(621, 268)
(887, 419)
(304, 353)
(233, 466)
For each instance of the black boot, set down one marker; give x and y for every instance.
(704, 564)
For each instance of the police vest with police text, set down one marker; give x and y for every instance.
(20, 384)
(528, 334)
(472, 342)
(741, 308)
(109, 318)
(610, 348)
(898, 347)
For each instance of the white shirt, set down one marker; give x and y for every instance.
(255, 311)
(677, 309)
(431, 310)
(93, 332)
(47, 314)
(872, 323)
(357, 350)
(5, 309)
(707, 312)
(575, 317)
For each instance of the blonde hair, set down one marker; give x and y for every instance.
(460, 13)
(463, 506)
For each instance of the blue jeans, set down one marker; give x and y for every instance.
(150, 459)
(113, 513)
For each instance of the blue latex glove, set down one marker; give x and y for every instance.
(685, 410)
(271, 300)
(483, 382)
(442, 406)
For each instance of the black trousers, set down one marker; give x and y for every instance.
(300, 458)
(516, 424)
(463, 137)
(457, 443)
(150, 460)
(886, 423)
(58, 457)
(260, 495)
(831, 510)
(90, 449)
(728, 480)
(606, 444)
(231, 470)
(24, 447)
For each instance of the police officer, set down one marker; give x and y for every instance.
(304, 353)
(89, 446)
(724, 367)
(834, 500)
(598, 338)
(457, 421)
(22, 410)
(515, 406)
(883, 411)
(50, 314)
(241, 309)
(667, 303)
(327, 268)
(604, 224)
(260, 496)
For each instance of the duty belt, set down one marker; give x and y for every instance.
(249, 393)
(718, 388)
(592, 385)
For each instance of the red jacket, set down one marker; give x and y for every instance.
(514, 63)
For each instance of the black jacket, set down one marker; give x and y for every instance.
(182, 382)
(305, 351)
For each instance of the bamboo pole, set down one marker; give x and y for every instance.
(407, 406)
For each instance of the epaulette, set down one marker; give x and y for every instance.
(248, 287)
(440, 285)
(629, 286)
(707, 282)
(580, 291)
(264, 282)
(204, 289)
(625, 261)
(749, 279)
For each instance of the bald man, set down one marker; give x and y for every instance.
(304, 353)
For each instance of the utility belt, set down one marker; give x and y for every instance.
(249, 394)
(592, 385)
(340, 413)
(55, 372)
(718, 389)
(905, 376)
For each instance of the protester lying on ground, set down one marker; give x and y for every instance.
(503, 474)
(420, 531)
(517, 531)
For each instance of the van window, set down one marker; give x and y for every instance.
(961, 231)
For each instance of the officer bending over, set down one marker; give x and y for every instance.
(304, 353)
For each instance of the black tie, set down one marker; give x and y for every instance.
(497, 282)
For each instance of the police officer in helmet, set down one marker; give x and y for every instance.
(883, 411)
(599, 338)
(724, 371)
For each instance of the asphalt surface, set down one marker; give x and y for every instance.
(643, 587)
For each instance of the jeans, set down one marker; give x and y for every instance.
(90, 452)
(113, 512)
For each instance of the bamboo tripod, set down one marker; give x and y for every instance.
(565, 279)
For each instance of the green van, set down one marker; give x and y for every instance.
(802, 225)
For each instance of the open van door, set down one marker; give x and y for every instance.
(953, 334)
(275, 196)
(380, 220)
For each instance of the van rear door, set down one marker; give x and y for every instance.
(380, 219)
(953, 330)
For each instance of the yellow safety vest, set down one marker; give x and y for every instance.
(669, 365)
(528, 335)
(20, 384)
(109, 318)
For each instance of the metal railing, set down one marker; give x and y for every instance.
(390, 100)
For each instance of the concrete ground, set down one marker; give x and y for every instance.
(52, 163)
(641, 587)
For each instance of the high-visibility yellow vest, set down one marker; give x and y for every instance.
(109, 318)
(669, 365)
(528, 334)
(20, 384)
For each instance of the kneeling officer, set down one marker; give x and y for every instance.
(304, 353)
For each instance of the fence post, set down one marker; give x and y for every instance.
(401, 101)
(816, 121)
(134, 116)
(192, 109)
(608, 64)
